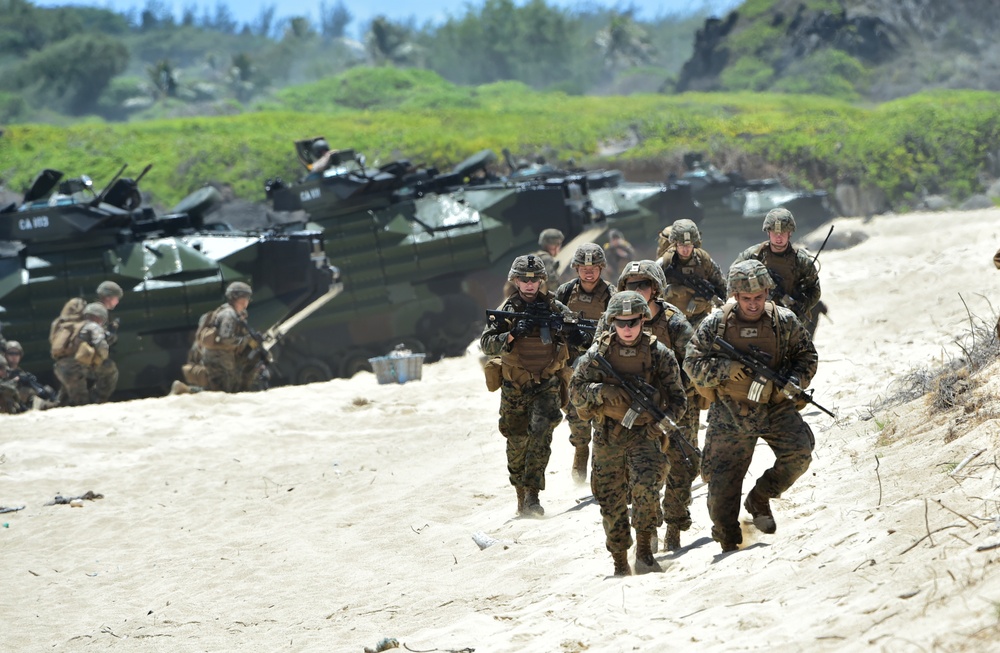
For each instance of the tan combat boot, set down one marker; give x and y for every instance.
(644, 560)
(580, 464)
(760, 508)
(179, 388)
(621, 563)
(520, 499)
(672, 540)
(532, 507)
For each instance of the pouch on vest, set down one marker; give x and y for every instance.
(493, 369)
(86, 355)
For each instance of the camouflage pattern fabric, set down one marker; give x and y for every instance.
(699, 264)
(551, 265)
(79, 381)
(528, 415)
(734, 427)
(801, 285)
(10, 402)
(580, 430)
(105, 381)
(627, 459)
(225, 366)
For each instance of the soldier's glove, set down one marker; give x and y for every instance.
(787, 301)
(737, 372)
(252, 343)
(791, 389)
(612, 395)
(578, 338)
(521, 329)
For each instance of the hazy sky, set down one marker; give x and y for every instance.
(363, 11)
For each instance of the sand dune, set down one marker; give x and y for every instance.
(330, 516)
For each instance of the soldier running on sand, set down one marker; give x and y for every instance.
(587, 295)
(628, 460)
(744, 409)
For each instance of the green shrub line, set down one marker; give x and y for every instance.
(933, 142)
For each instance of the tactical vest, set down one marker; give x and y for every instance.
(635, 360)
(592, 305)
(208, 333)
(659, 326)
(531, 360)
(781, 267)
(677, 293)
(762, 335)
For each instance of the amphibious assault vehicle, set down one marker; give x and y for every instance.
(65, 238)
(424, 253)
(734, 207)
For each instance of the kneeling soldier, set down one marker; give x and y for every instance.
(628, 457)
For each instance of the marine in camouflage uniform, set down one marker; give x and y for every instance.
(10, 402)
(109, 294)
(75, 369)
(790, 267)
(226, 358)
(628, 460)
(550, 241)
(13, 353)
(735, 420)
(672, 329)
(683, 257)
(535, 379)
(619, 252)
(587, 295)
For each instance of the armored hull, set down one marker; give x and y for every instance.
(171, 267)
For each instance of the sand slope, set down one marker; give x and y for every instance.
(326, 517)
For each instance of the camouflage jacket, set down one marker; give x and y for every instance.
(551, 267)
(493, 342)
(798, 291)
(95, 335)
(10, 402)
(675, 329)
(665, 376)
(700, 265)
(710, 369)
(230, 326)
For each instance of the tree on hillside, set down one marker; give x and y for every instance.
(624, 43)
(333, 20)
(392, 43)
(69, 76)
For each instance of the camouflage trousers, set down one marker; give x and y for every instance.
(729, 447)
(680, 475)
(579, 429)
(630, 461)
(222, 370)
(105, 381)
(528, 416)
(76, 381)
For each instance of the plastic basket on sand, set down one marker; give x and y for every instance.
(400, 366)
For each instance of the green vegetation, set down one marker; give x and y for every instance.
(936, 142)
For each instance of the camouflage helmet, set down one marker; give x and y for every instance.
(550, 237)
(13, 347)
(626, 304)
(528, 268)
(109, 289)
(238, 289)
(96, 309)
(589, 254)
(779, 221)
(749, 276)
(684, 232)
(647, 270)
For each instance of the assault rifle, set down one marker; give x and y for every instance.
(702, 288)
(257, 344)
(26, 378)
(641, 394)
(538, 315)
(777, 295)
(755, 362)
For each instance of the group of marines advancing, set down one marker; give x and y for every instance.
(677, 332)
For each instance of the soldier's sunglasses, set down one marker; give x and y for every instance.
(645, 284)
(628, 324)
